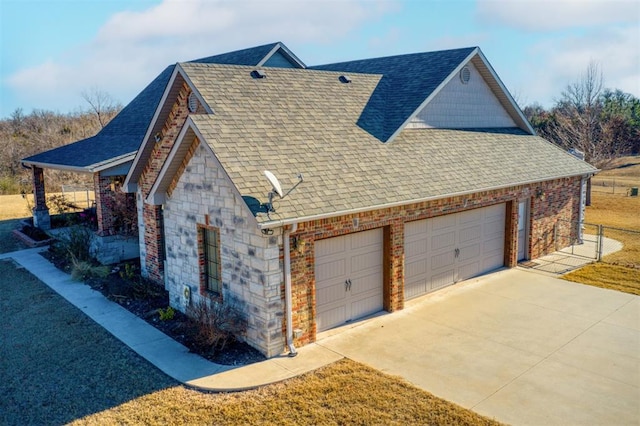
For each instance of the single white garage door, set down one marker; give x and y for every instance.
(444, 250)
(348, 278)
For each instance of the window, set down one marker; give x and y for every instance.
(212, 278)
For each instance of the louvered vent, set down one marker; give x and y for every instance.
(192, 102)
(465, 75)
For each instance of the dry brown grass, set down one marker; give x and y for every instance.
(603, 275)
(342, 393)
(17, 207)
(621, 270)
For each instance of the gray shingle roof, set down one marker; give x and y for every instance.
(123, 135)
(302, 121)
(407, 81)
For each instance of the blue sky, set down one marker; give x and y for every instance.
(53, 50)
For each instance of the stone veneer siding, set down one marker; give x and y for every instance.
(252, 273)
(560, 204)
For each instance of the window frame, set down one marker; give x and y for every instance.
(205, 234)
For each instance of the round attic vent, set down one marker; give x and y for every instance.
(465, 75)
(193, 102)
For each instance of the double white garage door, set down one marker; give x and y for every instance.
(438, 252)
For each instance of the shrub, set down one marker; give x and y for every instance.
(166, 314)
(83, 270)
(77, 242)
(217, 323)
(59, 204)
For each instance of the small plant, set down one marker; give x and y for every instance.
(83, 270)
(218, 323)
(166, 314)
(129, 272)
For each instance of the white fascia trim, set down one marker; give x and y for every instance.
(288, 52)
(57, 167)
(283, 222)
(193, 88)
(513, 103)
(154, 197)
(433, 94)
(132, 177)
(113, 162)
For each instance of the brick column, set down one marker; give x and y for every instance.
(102, 189)
(41, 218)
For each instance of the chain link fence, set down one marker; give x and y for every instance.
(617, 186)
(600, 243)
(80, 195)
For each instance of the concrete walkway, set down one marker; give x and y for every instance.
(519, 346)
(516, 345)
(169, 356)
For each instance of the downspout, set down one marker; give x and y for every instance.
(287, 289)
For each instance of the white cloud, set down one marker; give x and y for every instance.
(562, 61)
(131, 48)
(545, 15)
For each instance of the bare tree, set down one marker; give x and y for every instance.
(577, 115)
(101, 104)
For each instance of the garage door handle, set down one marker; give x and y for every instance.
(457, 252)
(347, 285)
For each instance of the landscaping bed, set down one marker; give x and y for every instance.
(150, 302)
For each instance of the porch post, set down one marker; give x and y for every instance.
(101, 187)
(41, 218)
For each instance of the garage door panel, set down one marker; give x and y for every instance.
(469, 252)
(365, 262)
(415, 268)
(330, 294)
(442, 260)
(442, 222)
(331, 318)
(366, 283)
(442, 241)
(330, 247)
(366, 306)
(468, 270)
(414, 230)
(330, 269)
(470, 233)
(477, 234)
(441, 280)
(415, 248)
(470, 216)
(364, 240)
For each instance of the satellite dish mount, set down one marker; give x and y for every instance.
(277, 189)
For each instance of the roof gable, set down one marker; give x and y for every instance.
(120, 139)
(407, 81)
(463, 104)
(411, 82)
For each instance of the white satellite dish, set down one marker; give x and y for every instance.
(275, 183)
(277, 188)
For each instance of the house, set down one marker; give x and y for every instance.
(387, 179)
(108, 155)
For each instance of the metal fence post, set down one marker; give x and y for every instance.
(600, 242)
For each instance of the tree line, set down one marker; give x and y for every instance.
(602, 123)
(23, 135)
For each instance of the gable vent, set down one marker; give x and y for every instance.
(465, 75)
(192, 102)
(258, 74)
(344, 79)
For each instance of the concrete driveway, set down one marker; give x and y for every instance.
(518, 346)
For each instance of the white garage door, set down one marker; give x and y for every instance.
(348, 272)
(446, 249)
